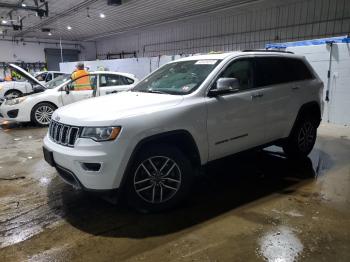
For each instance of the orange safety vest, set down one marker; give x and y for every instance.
(82, 81)
(8, 78)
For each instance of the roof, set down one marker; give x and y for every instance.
(233, 54)
(113, 73)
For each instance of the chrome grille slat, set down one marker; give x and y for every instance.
(62, 134)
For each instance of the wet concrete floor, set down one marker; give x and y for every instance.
(257, 206)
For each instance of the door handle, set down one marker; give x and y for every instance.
(295, 87)
(254, 96)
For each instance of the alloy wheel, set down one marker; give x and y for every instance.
(157, 179)
(306, 136)
(43, 114)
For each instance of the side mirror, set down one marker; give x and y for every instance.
(225, 85)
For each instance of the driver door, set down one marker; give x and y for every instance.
(235, 120)
(74, 94)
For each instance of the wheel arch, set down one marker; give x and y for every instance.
(181, 139)
(12, 89)
(312, 108)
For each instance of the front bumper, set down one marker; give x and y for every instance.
(14, 113)
(71, 163)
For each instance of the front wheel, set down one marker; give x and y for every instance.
(302, 139)
(160, 179)
(42, 113)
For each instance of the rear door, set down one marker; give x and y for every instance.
(112, 83)
(277, 79)
(75, 95)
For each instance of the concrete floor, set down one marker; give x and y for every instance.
(253, 207)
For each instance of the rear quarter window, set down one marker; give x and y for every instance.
(298, 70)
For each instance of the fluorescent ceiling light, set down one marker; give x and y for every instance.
(102, 15)
(69, 27)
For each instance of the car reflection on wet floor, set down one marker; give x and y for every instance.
(254, 206)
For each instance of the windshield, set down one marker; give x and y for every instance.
(57, 81)
(178, 78)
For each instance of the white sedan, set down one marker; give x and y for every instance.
(38, 107)
(11, 89)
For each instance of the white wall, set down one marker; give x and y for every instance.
(26, 51)
(237, 28)
(140, 67)
(337, 109)
(18, 51)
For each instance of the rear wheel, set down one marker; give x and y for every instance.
(159, 179)
(42, 113)
(302, 139)
(13, 94)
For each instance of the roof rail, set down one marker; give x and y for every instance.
(265, 50)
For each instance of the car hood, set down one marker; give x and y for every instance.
(105, 110)
(26, 75)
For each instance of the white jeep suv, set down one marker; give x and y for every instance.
(150, 142)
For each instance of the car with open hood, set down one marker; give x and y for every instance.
(27, 84)
(38, 107)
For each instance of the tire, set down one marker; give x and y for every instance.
(41, 114)
(302, 138)
(160, 178)
(13, 94)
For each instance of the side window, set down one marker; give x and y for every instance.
(243, 71)
(126, 80)
(298, 70)
(48, 77)
(56, 75)
(103, 80)
(41, 77)
(271, 71)
(112, 80)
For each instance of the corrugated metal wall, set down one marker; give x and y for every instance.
(235, 29)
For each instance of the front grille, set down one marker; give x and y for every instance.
(62, 134)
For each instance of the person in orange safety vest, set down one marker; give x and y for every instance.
(8, 78)
(81, 78)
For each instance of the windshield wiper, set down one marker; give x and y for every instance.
(152, 91)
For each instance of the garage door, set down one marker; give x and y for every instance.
(53, 57)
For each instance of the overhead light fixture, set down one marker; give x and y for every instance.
(24, 5)
(69, 27)
(4, 22)
(50, 34)
(102, 15)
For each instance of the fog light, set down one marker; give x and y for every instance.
(94, 167)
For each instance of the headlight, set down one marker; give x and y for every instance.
(101, 133)
(15, 101)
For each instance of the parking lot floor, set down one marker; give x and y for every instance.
(256, 206)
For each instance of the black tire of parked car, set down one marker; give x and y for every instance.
(45, 106)
(168, 165)
(302, 138)
(13, 94)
